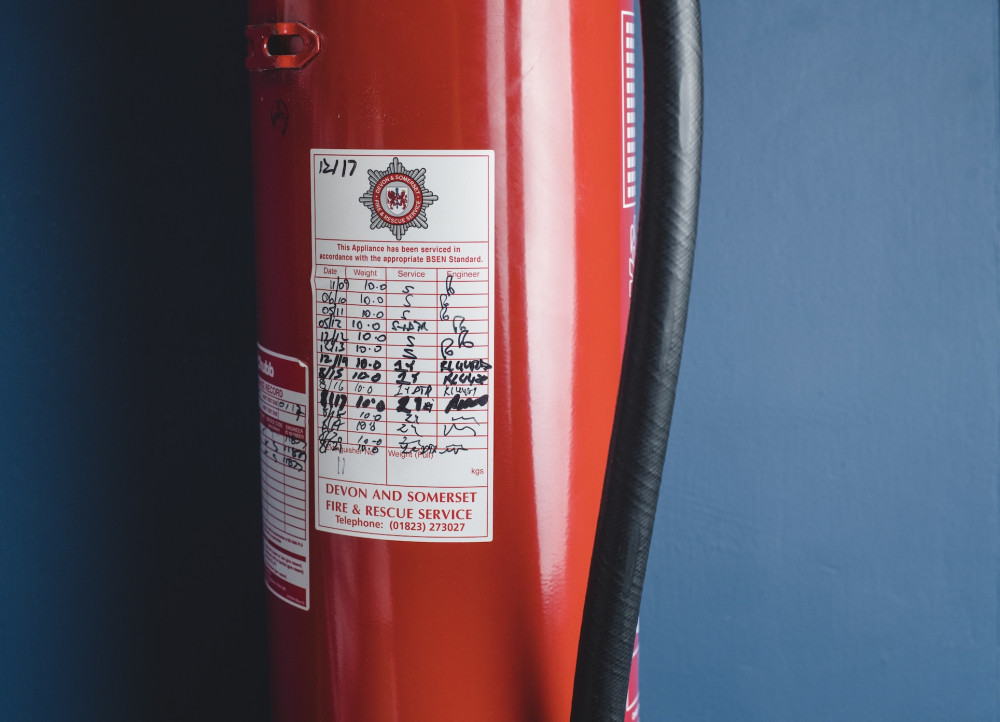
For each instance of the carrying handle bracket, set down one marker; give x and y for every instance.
(280, 46)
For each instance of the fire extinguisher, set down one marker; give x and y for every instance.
(448, 260)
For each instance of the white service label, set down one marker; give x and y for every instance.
(403, 332)
(284, 457)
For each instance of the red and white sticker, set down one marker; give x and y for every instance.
(629, 41)
(282, 388)
(404, 348)
(629, 125)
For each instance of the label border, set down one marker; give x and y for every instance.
(490, 156)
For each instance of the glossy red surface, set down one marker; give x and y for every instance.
(403, 630)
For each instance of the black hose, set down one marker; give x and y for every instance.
(668, 212)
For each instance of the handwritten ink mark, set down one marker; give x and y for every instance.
(459, 327)
(454, 428)
(279, 116)
(326, 168)
(457, 403)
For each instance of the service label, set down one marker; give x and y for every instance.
(282, 386)
(404, 349)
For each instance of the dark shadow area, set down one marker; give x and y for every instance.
(130, 499)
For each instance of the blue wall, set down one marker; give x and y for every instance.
(828, 536)
(827, 540)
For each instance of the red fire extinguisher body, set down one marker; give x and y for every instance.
(410, 629)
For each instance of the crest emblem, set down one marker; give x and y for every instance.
(397, 198)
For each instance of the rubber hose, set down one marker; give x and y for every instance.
(668, 211)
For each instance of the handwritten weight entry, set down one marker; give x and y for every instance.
(402, 362)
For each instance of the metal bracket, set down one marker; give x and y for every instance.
(280, 46)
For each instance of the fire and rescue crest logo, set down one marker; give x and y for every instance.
(397, 198)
